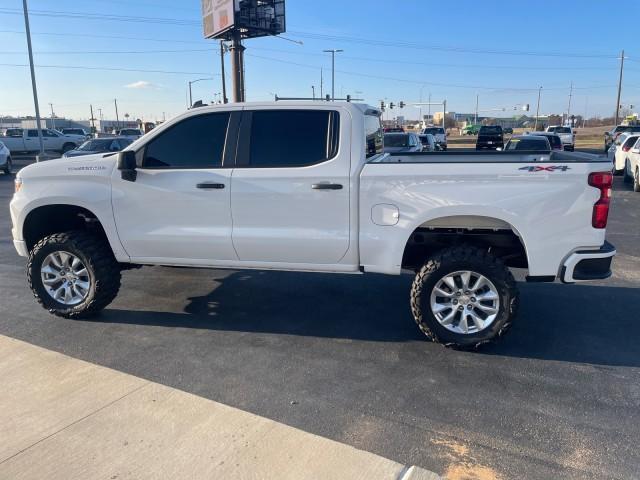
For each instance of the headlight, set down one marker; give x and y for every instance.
(17, 182)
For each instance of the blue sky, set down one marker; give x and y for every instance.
(501, 50)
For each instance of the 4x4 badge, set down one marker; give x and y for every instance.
(540, 168)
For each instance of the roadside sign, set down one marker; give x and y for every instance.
(218, 16)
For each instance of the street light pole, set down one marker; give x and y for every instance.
(53, 119)
(192, 82)
(224, 80)
(535, 128)
(333, 70)
(33, 76)
(477, 102)
(313, 91)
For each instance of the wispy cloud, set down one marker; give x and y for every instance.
(141, 84)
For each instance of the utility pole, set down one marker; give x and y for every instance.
(617, 115)
(444, 116)
(93, 120)
(53, 118)
(321, 84)
(477, 102)
(535, 128)
(333, 71)
(224, 79)
(569, 107)
(33, 77)
(586, 106)
(313, 91)
(115, 101)
(237, 65)
(429, 114)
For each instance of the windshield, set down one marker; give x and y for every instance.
(95, 145)
(527, 144)
(396, 140)
(434, 130)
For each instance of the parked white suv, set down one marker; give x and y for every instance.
(227, 186)
(620, 150)
(566, 134)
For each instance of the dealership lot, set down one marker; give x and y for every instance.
(340, 356)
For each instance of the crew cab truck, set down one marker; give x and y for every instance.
(227, 187)
(566, 134)
(26, 141)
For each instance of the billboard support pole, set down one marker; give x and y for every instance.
(237, 65)
(224, 80)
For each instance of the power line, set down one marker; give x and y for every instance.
(113, 69)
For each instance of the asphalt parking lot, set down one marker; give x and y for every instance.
(340, 356)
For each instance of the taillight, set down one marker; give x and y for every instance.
(626, 148)
(602, 181)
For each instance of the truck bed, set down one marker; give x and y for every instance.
(489, 157)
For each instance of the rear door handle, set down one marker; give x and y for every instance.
(326, 186)
(210, 186)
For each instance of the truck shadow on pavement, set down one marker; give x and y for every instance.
(580, 323)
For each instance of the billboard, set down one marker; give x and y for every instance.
(218, 16)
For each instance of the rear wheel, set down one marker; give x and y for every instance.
(73, 274)
(464, 297)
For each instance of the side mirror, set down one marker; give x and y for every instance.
(127, 165)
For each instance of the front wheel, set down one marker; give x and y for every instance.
(7, 166)
(73, 274)
(464, 297)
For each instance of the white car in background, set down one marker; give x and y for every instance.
(5, 159)
(619, 150)
(632, 166)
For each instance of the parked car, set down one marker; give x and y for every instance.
(619, 150)
(632, 166)
(100, 145)
(75, 131)
(402, 142)
(439, 134)
(554, 140)
(610, 137)
(27, 141)
(5, 159)
(428, 143)
(530, 143)
(490, 137)
(347, 209)
(507, 130)
(567, 135)
(133, 133)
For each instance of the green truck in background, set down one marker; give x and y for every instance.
(471, 130)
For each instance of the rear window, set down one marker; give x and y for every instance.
(373, 135)
(630, 141)
(396, 140)
(491, 130)
(559, 129)
(434, 130)
(527, 144)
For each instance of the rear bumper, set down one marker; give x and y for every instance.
(587, 265)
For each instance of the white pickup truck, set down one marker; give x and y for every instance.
(304, 186)
(26, 141)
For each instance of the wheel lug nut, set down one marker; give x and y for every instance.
(455, 302)
(460, 308)
(473, 299)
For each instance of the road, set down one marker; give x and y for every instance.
(340, 356)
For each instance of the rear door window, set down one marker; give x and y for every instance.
(293, 138)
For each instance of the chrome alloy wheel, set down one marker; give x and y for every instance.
(65, 278)
(465, 302)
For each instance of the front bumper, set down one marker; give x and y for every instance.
(587, 265)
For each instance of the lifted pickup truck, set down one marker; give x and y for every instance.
(26, 141)
(227, 187)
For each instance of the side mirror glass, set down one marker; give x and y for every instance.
(127, 165)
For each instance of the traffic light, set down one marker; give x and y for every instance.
(402, 104)
(391, 105)
(348, 98)
(525, 107)
(382, 105)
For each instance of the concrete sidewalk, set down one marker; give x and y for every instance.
(62, 418)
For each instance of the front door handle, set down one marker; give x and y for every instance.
(210, 186)
(326, 186)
